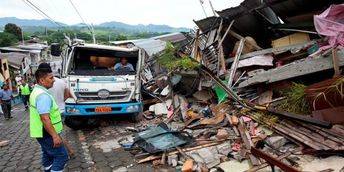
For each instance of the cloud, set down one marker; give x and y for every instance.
(177, 13)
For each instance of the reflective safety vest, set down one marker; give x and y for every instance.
(25, 90)
(36, 125)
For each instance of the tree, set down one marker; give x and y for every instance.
(121, 37)
(7, 39)
(13, 29)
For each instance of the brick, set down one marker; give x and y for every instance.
(187, 166)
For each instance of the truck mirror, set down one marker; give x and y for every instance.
(55, 49)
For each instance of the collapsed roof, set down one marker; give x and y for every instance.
(265, 20)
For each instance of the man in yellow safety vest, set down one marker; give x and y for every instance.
(24, 91)
(45, 122)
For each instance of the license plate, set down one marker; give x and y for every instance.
(103, 109)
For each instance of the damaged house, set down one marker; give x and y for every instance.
(266, 91)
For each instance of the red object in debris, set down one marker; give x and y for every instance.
(279, 63)
(326, 94)
(236, 147)
(333, 115)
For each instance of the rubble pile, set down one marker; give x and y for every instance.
(253, 102)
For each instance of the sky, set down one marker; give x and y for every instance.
(176, 13)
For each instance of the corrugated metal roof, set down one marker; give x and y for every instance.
(151, 46)
(13, 49)
(172, 37)
(155, 44)
(34, 46)
(13, 58)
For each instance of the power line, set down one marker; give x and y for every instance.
(41, 12)
(77, 11)
(90, 28)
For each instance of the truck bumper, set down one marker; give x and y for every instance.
(89, 109)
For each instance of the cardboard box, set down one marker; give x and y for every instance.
(295, 38)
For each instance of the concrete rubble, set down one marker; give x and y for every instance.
(236, 109)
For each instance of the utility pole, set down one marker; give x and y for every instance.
(202, 1)
(212, 8)
(22, 36)
(93, 35)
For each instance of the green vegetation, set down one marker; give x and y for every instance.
(295, 101)
(103, 35)
(11, 35)
(7, 39)
(13, 29)
(170, 60)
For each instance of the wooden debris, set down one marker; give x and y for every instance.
(154, 157)
(245, 136)
(235, 63)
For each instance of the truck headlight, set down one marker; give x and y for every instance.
(133, 108)
(72, 110)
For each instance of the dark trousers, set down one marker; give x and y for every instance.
(53, 159)
(6, 108)
(25, 99)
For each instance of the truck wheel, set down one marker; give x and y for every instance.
(136, 117)
(75, 123)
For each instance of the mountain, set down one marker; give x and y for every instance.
(111, 25)
(27, 22)
(141, 27)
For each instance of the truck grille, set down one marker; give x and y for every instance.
(115, 95)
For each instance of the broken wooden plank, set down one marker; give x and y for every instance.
(295, 69)
(261, 166)
(226, 33)
(235, 63)
(236, 35)
(302, 118)
(245, 136)
(314, 137)
(154, 157)
(273, 161)
(276, 50)
(301, 138)
(335, 62)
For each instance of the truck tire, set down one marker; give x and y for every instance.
(136, 117)
(75, 123)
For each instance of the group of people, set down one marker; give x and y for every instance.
(46, 103)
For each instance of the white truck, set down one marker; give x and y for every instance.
(97, 88)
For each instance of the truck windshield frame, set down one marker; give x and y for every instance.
(100, 62)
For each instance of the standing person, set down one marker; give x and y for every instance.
(24, 91)
(5, 100)
(46, 122)
(60, 92)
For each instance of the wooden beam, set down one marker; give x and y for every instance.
(335, 62)
(235, 63)
(236, 35)
(154, 157)
(226, 33)
(295, 69)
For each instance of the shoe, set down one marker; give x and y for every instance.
(7, 119)
(11, 116)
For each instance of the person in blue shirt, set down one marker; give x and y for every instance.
(5, 100)
(124, 65)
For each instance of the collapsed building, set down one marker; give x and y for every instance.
(265, 90)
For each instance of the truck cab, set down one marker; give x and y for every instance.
(96, 86)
